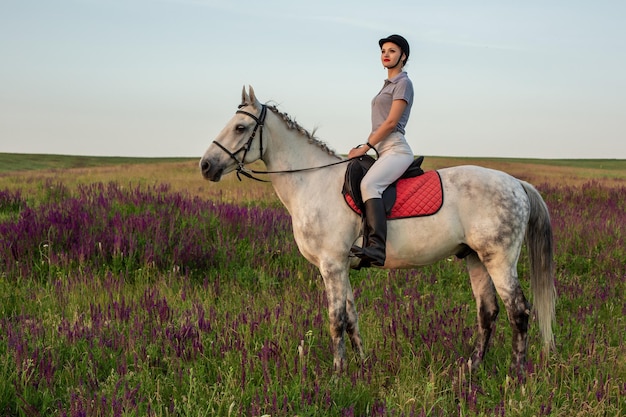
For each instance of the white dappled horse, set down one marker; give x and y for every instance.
(486, 216)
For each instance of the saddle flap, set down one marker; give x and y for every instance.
(356, 170)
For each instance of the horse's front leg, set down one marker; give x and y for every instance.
(341, 311)
(353, 323)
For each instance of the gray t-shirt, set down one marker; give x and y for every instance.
(397, 88)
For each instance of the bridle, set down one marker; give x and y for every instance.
(241, 168)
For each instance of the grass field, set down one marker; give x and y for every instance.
(135, 288)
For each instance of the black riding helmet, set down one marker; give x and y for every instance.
(398, 40)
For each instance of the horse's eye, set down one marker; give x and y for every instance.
(240, 128)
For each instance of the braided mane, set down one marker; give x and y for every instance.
(310, 136)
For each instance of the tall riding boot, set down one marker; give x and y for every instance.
(376, 228)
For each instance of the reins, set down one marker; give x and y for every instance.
(248, 172)
(241, 168)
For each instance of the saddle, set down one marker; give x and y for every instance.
(414, 194)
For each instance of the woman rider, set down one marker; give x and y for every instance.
(391, 108)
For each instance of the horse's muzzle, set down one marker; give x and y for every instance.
(210, 171)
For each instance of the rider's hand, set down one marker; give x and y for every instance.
(358, 151)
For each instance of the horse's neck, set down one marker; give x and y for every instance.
(288, 150)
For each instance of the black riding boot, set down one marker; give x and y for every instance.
(376, 234)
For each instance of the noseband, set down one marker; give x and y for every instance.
(241, 169)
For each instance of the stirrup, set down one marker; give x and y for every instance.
(364, 261)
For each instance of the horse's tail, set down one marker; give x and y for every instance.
(539, 240)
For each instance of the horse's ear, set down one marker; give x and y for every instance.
(253, 99)
(244, 96)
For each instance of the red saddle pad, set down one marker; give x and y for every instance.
(418, 196)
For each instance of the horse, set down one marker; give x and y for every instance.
(486, 217)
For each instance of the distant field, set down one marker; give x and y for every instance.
(608, 172)
(21, 162)
(27, 162)
(22, 171)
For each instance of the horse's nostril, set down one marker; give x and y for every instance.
(205, 165)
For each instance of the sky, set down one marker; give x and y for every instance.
(161, 78)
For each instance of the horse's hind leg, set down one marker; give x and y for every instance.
(486, 304)
(517, 309)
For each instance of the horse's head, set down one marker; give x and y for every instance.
(239, 143)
